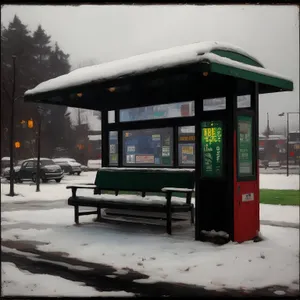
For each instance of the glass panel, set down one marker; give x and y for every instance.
(148, 147)
(212, 149)
(186, 146)
(113, 148)
(214, 104)
(243, 101)
(111, 116)
(244, 139)
(29, 164)
(164, 111)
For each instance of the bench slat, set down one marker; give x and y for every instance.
(172, 189)
(85, 213)
(82, 186)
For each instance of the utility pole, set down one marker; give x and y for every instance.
(12, 121)
(287, 143)
(38, 179)
(268, 125)
(288, 136)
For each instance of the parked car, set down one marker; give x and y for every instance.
(84, 168)
(69, 165)
(94, 164)
(27, 170)
(5, 163)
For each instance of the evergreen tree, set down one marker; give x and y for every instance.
(16, 40)
(35, 62)
(42, 52)
(59, 62)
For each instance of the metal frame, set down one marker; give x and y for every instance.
(120, 127)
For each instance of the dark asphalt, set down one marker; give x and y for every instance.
(58, 264)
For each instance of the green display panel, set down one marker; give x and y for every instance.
(244, 146)
(212, 149)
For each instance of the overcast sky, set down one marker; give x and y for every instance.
(104, 33)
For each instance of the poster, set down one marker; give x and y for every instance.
(151, 146)
(146, 159)
(130, 159)
(187, 150)
(131, 149)
(113, 159)
(244, 136)
(187, 138)
(155, 137)
(212, 148)
(157, 161)
(166, 151)
(112, 148)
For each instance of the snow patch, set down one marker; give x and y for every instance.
(70, 267)
(279, 182)
(16, 282)
(213, 233)
(12, 250)
(121, 272)
(149, 62)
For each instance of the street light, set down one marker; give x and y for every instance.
(11, 148)
(287, 136)
(40, 111)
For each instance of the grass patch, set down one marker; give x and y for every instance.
(282, 197)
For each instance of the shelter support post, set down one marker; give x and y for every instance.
(227, 183)
(104, 138)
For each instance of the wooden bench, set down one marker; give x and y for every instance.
(162, 181)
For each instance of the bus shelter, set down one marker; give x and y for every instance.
(217, 87)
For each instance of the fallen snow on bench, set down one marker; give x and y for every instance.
(135, 199)
(18, 282)
(148, 169)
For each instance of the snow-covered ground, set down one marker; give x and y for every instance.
(16, 282)
(279, 181)
(280, 213)
(176, 258)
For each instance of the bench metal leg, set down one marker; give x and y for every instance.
(192, 215)
(169, 222)
(169, 213)
(99, 217)
(76, 214)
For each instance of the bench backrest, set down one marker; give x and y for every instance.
(144, 180)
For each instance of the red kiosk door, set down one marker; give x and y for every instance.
(246, 181)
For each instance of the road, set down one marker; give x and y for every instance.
(292, 170)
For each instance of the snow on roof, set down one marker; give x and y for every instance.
(96, 137)
(63, 159)
(5, 158)
(152, 61)
(276, 137)
(41, 158)
(94, 123)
